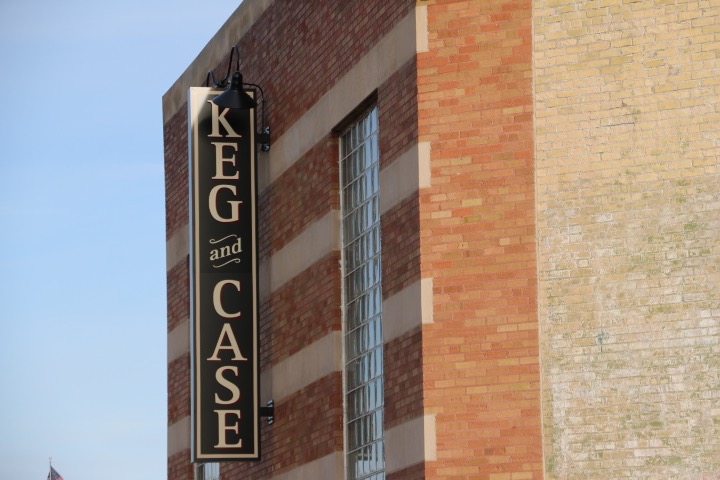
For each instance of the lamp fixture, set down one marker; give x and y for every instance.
(235, 96)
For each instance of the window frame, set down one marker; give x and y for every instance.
(361, 277)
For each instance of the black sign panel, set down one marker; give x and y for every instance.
(223, 281)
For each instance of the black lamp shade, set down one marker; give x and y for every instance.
(235, 96)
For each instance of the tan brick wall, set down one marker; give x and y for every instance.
(627, 108)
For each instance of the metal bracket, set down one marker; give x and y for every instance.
(269, 412)
(263, 139)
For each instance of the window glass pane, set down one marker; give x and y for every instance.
(210, 471)
(362, 271)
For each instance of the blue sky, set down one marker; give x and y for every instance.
(82, 231)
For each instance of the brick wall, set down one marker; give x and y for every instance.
(298, 50)
(410, 473)
(178, 389)
(584, 130)
(179, 468)
(627, 110)
(403, 378)
(308, 427)
(313, 180)
(178, 293)
(302, 311)
(176, 173)
(481, 366)
(295, 70)
(398, 115)
(178, 285)
(403, 355)
(400, 233)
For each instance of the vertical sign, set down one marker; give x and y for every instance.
(223, 281)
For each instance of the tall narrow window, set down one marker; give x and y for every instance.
(362, 291)
(208, 471)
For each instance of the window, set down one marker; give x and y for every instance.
(362, 295)
(209, 471)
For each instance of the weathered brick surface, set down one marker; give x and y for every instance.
(178, 294)
(179, 468)
(481, 365)
(306, 46)
(308, 426)
(178, 389)
(416, 472)
(301, 312)
(397, 113)
(400, 233)
(627, 108)
(176, 173)
(178, 284)
(300, 196)
(403, 378)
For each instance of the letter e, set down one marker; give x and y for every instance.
(223, 428)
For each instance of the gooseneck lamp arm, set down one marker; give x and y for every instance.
(223, 82)
(235, 96)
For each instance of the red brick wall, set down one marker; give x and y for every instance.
(403, 379)
(176, 173)
(303, 194)
(403, 376)
(179, 388)
(178, 284)
(481, 361)
(400, 233)
(415, 472)
(178, 294)
(296, 51)
(301, 312)
(179, 468)
(397, 113)
(400, 226)
(308, 426)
